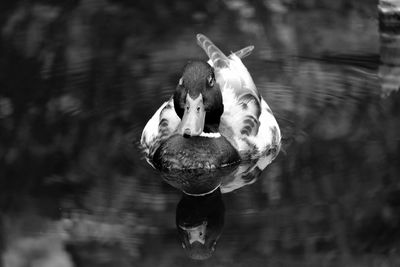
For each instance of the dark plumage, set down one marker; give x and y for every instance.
(195, 153)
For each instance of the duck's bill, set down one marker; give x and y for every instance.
(192, 123)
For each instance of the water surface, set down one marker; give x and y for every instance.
(79, 81)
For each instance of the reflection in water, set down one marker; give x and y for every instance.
(199, 220)
(200, 212)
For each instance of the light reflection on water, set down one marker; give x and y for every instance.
(76, 93)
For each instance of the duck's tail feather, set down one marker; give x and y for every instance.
(216, 56)
(244, 52)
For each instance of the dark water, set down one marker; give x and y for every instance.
(78, 82)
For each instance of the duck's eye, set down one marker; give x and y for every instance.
(211, 80)
(180, 82)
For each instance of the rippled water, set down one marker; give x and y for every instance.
(78, 83)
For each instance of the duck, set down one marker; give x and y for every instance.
(215, 117)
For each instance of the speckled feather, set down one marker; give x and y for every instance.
(247, 122)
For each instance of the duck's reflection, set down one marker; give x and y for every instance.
(199, 221)
(200, 212)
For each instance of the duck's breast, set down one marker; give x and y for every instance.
(180, 153)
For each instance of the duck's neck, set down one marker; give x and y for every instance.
(212, 121)
(211, 128)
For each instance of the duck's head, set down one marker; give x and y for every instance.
(198, 100)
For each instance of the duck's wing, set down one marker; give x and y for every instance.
(247, 120)
(162, 125)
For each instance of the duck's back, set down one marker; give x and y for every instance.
(230, 71)
(242, 101)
